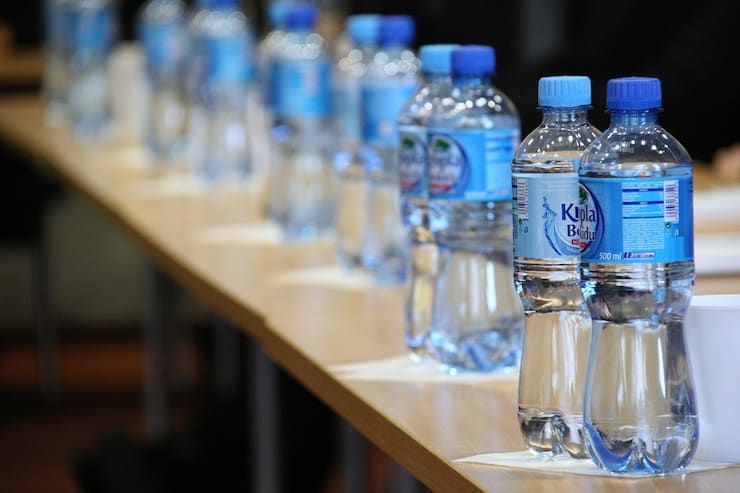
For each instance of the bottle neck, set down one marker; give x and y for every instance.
(393, 48)
(634, 117)
(464, 81)
(561, 115)
(435, 78)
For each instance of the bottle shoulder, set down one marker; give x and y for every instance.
(552, 142)
(162, 12)
(426, 103)
(634, 144)
(302, 46)
(477, 107)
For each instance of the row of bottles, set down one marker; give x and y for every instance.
(567, 257)
(602, 257)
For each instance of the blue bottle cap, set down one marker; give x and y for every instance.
(301, 15)
(565, 91)
(633, 93)
(396, 29)
(277, 12)
(473, 60)
(436, 59)
(363, 28)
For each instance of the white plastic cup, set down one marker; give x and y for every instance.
(712, 334)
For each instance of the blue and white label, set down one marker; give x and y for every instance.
(302, 88)
(546, 215)
(381, 103)
(412, 161)
(471, 164)
(164, 44)
(345, 109)
(627, 220)
(226, 59)
(92, 30)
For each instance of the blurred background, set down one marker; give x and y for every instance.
(86, 432)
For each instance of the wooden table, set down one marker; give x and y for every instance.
(307, 328)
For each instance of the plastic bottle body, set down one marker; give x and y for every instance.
(413, 121)
(162, 32)
(223, 144)
(557, 326)
(56, 64)
(301, 191)
(390, 81)
(93, 31)
(346, 115)
(477, 320)
(638, 274)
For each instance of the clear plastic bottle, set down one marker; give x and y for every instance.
(391, 79)
(413, 171)
(637, 271)
(93, 31)
(56, 67)
(302, 180)
(557, 327)
(226, 49)
(277, 12)
(346, 101)
(478, 319)
(162, 32)
(194, 70)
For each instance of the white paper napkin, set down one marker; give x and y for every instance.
(565, 464)
(717, 253)
(261, 233)
(329, 276)
(411, 368)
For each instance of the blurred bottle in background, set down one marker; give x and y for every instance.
(346, 100)
(226, 51)
(637, 268)
(391, 79)
(92, 33)
(161, 27)
(557, 327)
(194, 71)
(56, 65)
(301, 189)
(478, 320)
(414, 173)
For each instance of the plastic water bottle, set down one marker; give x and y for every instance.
(92, 31)
(346, 101)
(478, 319)
(392, 78)
(56, 50)
(413, 172)
(277, 12)
(302, 177)
(162, 32)
(637, 271)
(194, 71)
(226, 45)
(557, 327)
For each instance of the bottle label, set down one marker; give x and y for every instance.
(163, 43)
(546, 220)
(226, 59)
(471, 164)
(302, 88)
(92, 30)
(628, 220)
(381, 103)
(412, 162)
(345, 109)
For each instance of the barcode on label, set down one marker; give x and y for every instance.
(522, 198)
(670, 200)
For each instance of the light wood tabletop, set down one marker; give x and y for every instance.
(215, 244)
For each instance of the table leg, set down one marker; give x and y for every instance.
(354, 458)
(266, 432)
(404, 481)
(226, 342)
(45, 327)
(159, 311)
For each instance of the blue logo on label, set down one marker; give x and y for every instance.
(412, 163)
(560, 227)
(448, 166)
(592, 222)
